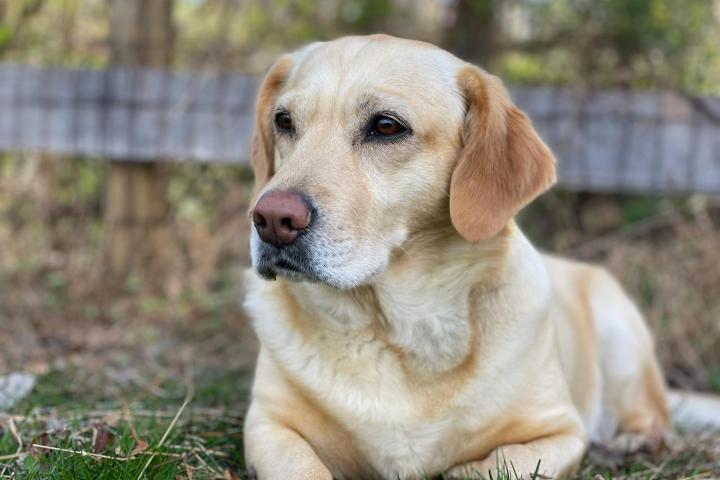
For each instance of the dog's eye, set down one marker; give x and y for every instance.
(385, 126)
(283, 122)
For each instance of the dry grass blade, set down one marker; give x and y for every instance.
(82, 453)
(188, 398)
(140, 444)
(97, 456)
(18, 439)
(201, 447)
(205, 464)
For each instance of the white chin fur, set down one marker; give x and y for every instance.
(339, 267)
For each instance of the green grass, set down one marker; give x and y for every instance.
(64, 414)
(66, 410)
(204, 443)
(133, 392)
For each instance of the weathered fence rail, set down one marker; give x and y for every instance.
(605, 141)
(146, 115)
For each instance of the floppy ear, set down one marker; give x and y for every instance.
(263, 147)
(503, 164)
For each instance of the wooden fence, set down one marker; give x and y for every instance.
(615, 141)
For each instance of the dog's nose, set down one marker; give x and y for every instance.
(280, 216)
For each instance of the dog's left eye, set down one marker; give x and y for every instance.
(283, 121)
(386, 126)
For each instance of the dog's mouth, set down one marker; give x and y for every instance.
(283, 264)
(289, 263)
(315, 259)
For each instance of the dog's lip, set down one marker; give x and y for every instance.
(284, 264)
(291, 271)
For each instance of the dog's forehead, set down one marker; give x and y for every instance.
(354, 65)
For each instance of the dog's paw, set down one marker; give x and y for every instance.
(654, 441)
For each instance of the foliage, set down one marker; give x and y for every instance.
(640, 43)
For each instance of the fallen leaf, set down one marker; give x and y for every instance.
(140, 446)
(230, 475)
(102, 438)
(42, 439)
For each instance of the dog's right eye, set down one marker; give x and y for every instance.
(283, 122)
(386, 127)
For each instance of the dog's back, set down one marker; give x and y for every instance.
(607, 353)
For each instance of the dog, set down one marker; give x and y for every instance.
(411, 329)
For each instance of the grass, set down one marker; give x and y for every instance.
(192, 429)
(691, 457)
(81, 435)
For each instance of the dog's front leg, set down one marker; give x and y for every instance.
(275, 452)
(558, 457)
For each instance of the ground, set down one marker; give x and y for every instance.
(133, 398)
(151, 381)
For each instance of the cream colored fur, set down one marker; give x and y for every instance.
(427, 341)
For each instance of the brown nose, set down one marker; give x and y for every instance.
(280, 216)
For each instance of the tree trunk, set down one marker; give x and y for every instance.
(472, 36)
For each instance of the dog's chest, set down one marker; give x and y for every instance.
(365, 389)
(367, 356)
(378, 384)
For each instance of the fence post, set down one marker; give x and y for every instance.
(136, 205)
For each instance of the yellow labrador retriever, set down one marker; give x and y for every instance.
(412, 329)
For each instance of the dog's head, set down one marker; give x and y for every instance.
(363, 142)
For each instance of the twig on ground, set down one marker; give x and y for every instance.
(200, 444)
(190, 449)
(82, 453)
(205, 464)
(100, 456)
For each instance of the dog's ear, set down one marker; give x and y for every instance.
(263, 146)
(503, 164)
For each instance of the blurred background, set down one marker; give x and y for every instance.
(124, 129)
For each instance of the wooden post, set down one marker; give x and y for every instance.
(136, 205)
